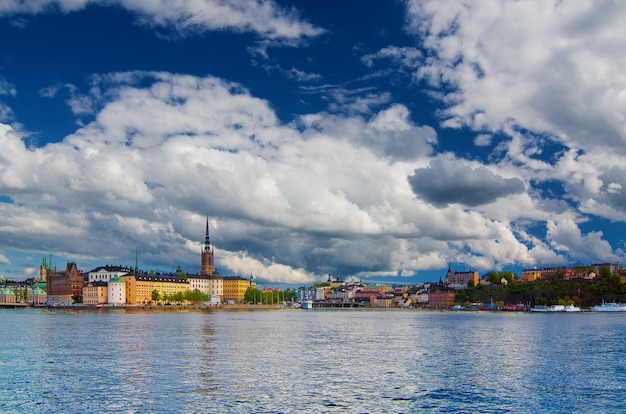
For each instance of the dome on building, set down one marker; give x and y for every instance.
(38, 291)
(7, 292)
(117, 279)
(215, 275)
(41, 284)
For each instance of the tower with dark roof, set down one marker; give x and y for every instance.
(207, 265)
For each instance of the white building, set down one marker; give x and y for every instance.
(116, 291)
(105, 273)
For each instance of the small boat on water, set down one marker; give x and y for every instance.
(306, 304)
(609, 307)
(571, 308)
(553, 308)
(514, 308)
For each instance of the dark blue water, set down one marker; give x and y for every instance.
(310, 361)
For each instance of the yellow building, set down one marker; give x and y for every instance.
(530, 275)
(95, 293)
(235, 287)
(139, 286)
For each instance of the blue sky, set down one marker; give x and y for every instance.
(384, 147)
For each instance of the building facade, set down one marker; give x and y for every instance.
(7, 295)
(212, 285)
(105, 273)
(139, 286)
(440, 296)
(62, 286)
(95, 293)
(235, 288)
(37, 297)
(460, 280)
(116, 291)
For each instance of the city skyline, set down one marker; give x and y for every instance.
(379, 142)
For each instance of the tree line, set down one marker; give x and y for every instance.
(555, 290)
(254, 295)
(189, 296)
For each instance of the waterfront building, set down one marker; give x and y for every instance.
(216, 286)
(209, 280)
(37, 297)
(200, 282)
(341, 294)
(95, 293)
(380, 301)
(235, 288)
(139, 286)
(460, 280)
(62, 286)
(7, 295)
(212, 284)
(440, 296)
(315, 292)
(105, 273)
(21, 289)
(116, 291)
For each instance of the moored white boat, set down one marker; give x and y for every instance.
(571, 308)
(609, 307)
(553, 308)
(307, 304)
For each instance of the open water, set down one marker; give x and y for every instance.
(311, 361)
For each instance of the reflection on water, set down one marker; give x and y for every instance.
(311, 361)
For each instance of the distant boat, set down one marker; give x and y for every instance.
(514, 308)
(609, 307)
(458, 307)
(307, 304)
(553, 308)
(572, 308)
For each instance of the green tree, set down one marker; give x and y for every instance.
(178, 297)
(556, 275)
(156, 296)
(77, 298)
(196, 296)
(607, 276)
(252, 295)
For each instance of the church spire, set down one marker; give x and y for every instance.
(207, 242)
(207, 265)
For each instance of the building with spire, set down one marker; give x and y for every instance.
(209, 280)
(207, 264)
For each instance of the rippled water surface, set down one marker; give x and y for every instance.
(310, 361)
